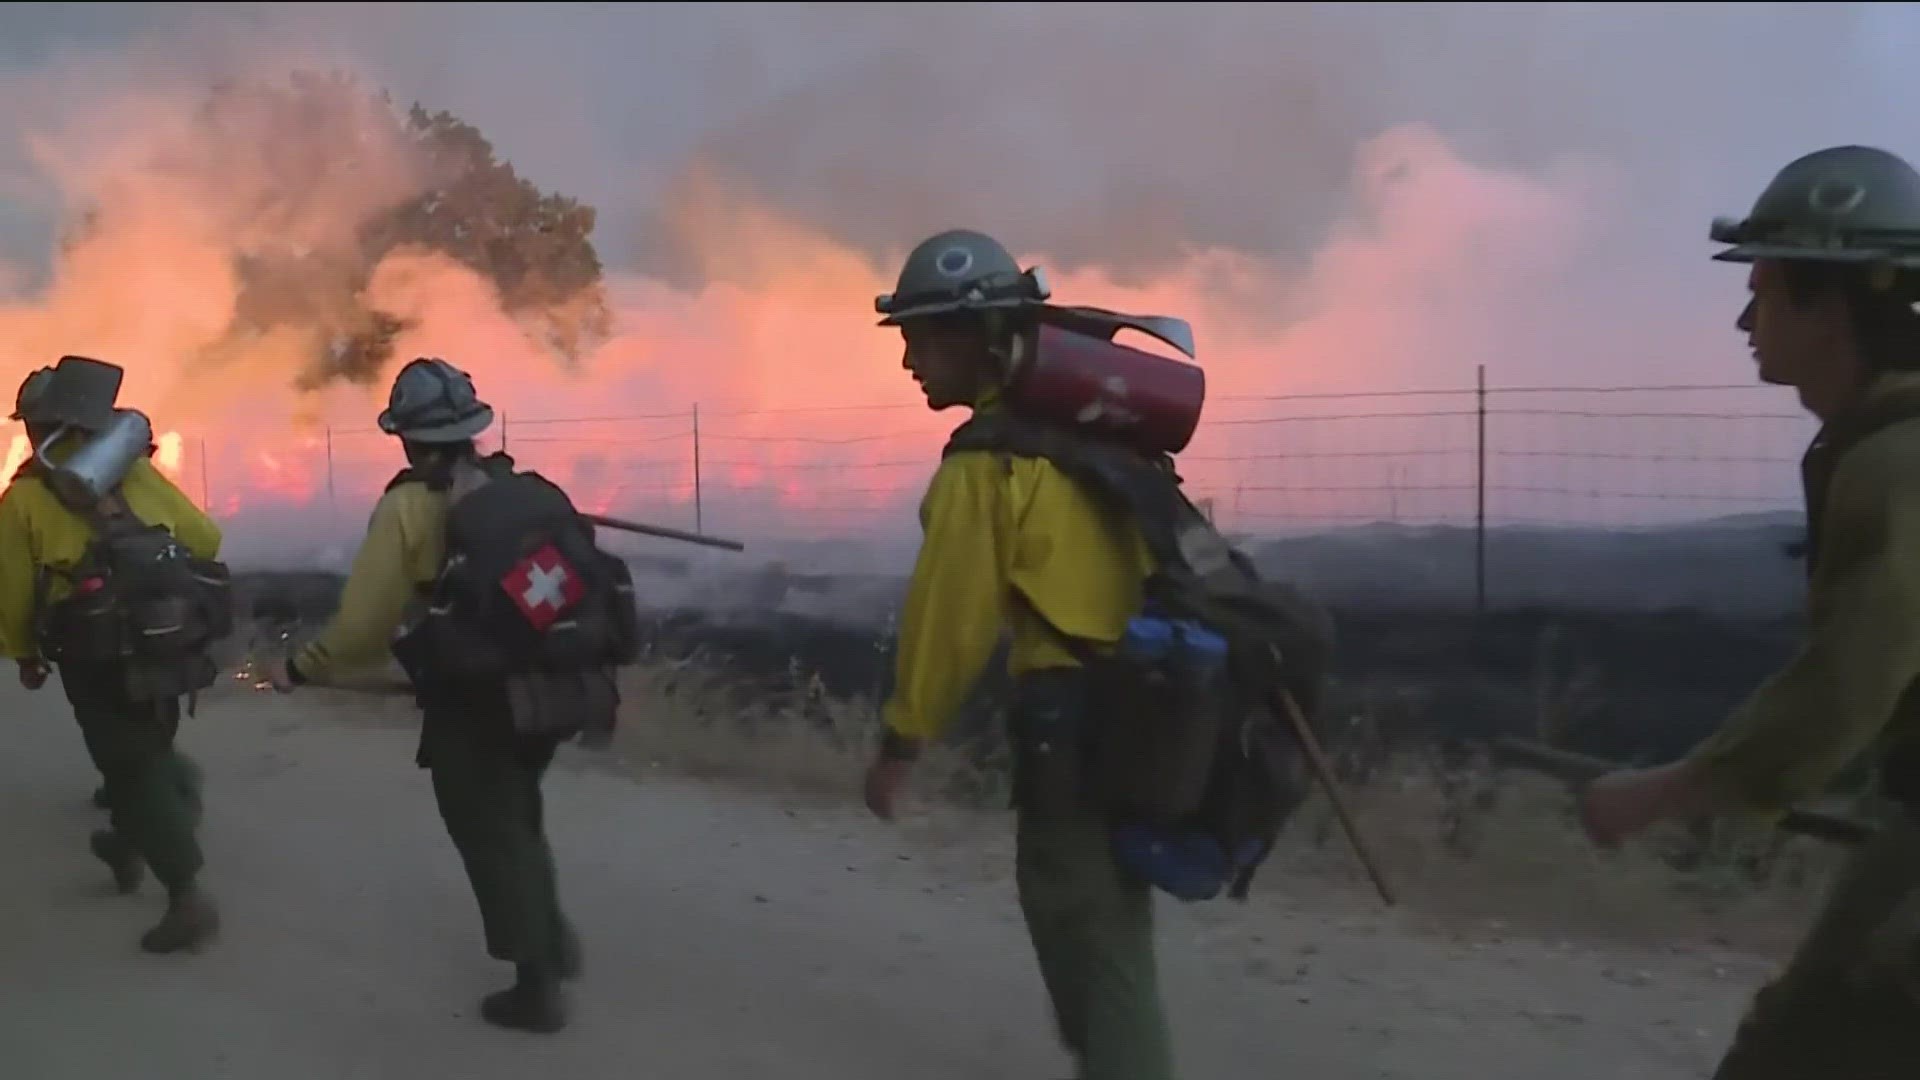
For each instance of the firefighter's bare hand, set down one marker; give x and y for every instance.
(885, 779)
(33, 673)
(1623, 804)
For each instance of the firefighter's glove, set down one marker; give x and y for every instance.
(33, 672)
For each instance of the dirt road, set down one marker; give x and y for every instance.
(728, 936)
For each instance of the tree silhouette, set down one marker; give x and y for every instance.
(314, 180)
(535, 248)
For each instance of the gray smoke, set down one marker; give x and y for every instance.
(1119, 137)
(1123, 138)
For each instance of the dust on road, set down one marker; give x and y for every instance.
(729, 934)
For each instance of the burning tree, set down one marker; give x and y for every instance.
(312, 181)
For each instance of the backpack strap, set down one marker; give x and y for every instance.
(405, 476)
(1822, 459)
(1144, 489)
(111, 517)
(1123, 482)
(105, 525)
(495, 465)
(1197, 572)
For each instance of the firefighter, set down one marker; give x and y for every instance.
(1833, 250)
(486, 772)
(153, 790)
(33, 676)
(1007, 541)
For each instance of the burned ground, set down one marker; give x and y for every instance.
(1626, 685)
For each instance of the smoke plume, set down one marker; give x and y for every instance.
(1339, 198)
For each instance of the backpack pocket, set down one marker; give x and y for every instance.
(216, 595)
(147, 679)
(1187, 864)
(559, 704)
(1158, 705)
(83, 627)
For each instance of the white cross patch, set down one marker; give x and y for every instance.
(543, 586)
(546, 587)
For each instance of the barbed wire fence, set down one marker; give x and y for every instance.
(1478, 457)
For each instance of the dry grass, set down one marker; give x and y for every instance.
(1474, 842)
(1461, 840)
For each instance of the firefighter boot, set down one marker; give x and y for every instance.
(533, 1003)
(110, 848)
(190, 920)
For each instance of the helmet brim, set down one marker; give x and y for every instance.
(949, 307)
(1746, 253)
(458, 431)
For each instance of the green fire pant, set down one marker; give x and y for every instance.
(1091, 924)
(153, 790)
(489, 795)
(93, 752)
(1847, 1007)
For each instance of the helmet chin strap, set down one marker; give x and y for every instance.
(1006, 344)
(435, 462)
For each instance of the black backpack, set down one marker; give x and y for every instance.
(1185, 750)
(142, 605)
(523, 589)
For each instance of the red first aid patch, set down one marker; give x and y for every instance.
(543, 586)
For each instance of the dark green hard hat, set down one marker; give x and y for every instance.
(960, 270)
(434, 402)
(1845, 204)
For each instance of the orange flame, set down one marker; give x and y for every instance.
(18, 450)
(167, 456)
(806, 422)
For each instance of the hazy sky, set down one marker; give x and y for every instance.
(1341, 196)
(1120, 140)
